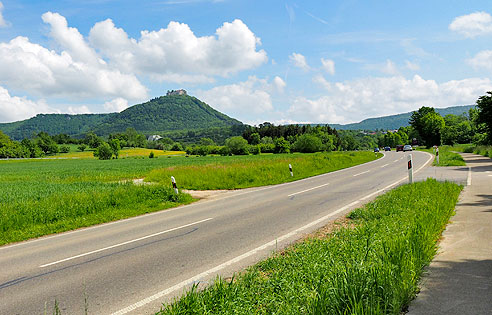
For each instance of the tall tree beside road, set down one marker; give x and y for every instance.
(428, 124)
(484, 104)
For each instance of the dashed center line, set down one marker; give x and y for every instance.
(384, 165)
(361, 173)
(124, 243)
(300, 192)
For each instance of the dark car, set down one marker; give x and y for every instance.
(399, 147)
(387, 149)
(376, 149)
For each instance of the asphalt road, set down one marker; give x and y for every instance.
(133, 265)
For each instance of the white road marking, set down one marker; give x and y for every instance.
(124, 243)
(469, 179)
(272, 243)
(300, 192)
(361, 173)
(384, 165)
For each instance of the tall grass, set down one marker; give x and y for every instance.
(373, 268)
(447, 157)
(39, 197)
(260, 171)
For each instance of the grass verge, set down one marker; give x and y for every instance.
(260, 170)
(370, 268)
(446, 156)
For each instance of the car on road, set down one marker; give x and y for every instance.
(407, 147)
(376, 149)
(399, 147)
(387, 149)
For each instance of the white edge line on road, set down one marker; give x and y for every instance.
(124, 243)
(300, 192)
(250, 190)
(469, 179)
(272, 243)
(361, 173)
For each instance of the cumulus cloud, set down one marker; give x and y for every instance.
(299, 61)
(411, 65)
(3, 23)
(472, 25)
(117, 105)
(328, 66)
(482, 60)
(76, 72)
(176, 54)
(279, 84)
(83, 109)
(353, 101)
(14, 108)
(244, 100)
(322, 81)
(389, 68)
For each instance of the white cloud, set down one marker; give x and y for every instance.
(244, 100)
(299, 61)
(389, 68)
(322, 81)
(353, 101)
(482, 60)
(472, 25)
(83, 109)
(14, 108)
(3, 23)
(76, 72)
(176, 54)
(411, 65)
(117, 105)
(279, 84)
(328, 65)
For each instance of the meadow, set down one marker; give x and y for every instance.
(370, 265)
(45, 196)
(446, 156)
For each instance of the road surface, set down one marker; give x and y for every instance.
(133, 265)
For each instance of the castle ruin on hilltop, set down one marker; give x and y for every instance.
(176, 92)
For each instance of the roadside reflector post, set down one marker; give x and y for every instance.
(174, 185)
(290, 169)
(437, 155)
(410, 169)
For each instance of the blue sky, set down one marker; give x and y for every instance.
(277, 61)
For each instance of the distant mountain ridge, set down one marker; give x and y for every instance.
(396, 121)
(161, 114)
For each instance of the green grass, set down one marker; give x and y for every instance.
(371, 268)
(446, 156)
(40, 197)
(260, 170)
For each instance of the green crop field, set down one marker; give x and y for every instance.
(371, 265)
(40, 197)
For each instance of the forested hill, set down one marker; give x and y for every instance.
(53, 124)
(396, 121)
(165, 113)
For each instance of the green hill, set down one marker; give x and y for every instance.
(396, 121)
(166, 113)
(73, 125)
(159, 115)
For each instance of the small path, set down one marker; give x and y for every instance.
(459, 279)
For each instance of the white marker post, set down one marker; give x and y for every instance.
(410, 169)
(174, 185)
(437, 155)
(290, 169)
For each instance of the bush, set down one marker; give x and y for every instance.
(64, 149)
(254, 149)
(237, 145)
(307, 143)
(177, 147)
(151, 155)
(281, 145)
(103, 152)
(82, 147)
(267, 147)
